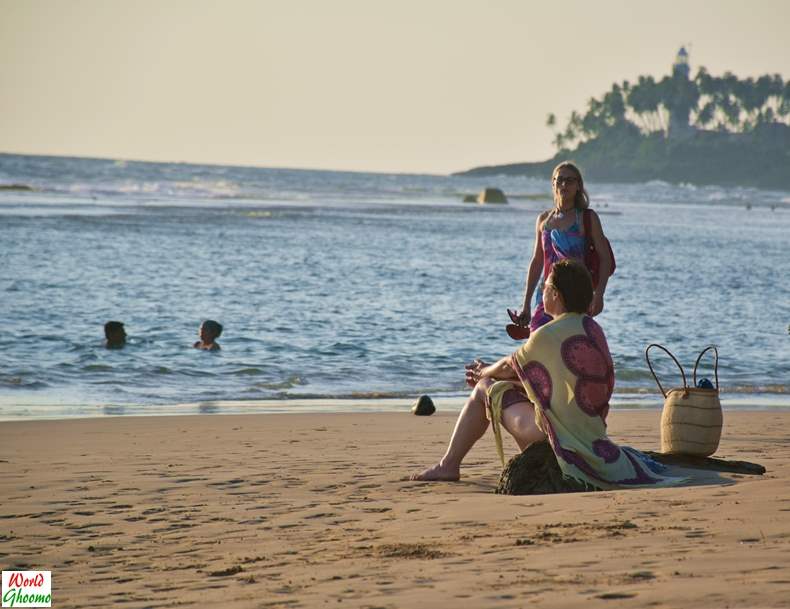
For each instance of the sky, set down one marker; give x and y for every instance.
(416, 86)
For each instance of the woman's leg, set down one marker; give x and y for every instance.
(469, 428)
(519, 420)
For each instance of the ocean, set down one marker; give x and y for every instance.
(347, 291)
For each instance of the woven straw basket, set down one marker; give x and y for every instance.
(692, 419)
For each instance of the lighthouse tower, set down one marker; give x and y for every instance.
(681, 65)
(682, 98)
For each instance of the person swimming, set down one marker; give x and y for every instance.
(209, 332)
(114, 334)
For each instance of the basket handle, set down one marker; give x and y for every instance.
(653, 372)
(715, 364)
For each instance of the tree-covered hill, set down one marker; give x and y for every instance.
(702, 130)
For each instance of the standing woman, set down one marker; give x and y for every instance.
(559, 234)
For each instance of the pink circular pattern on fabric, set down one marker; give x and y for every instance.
(588, 358)
(582, 357)
(606, 450)
(540, 380)
(594, 331)
(592, 396)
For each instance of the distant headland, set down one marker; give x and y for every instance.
(703, 130)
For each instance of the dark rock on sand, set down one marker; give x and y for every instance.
(536, 472)
(423, 407)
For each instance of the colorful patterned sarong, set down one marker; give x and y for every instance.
(557, 245)
(567, 373)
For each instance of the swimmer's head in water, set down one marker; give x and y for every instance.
(115, 333)
(209, 330)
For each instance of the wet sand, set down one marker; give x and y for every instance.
(312, 511)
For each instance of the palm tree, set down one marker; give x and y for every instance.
(784, 107)
(707, 104)
(751, 100)
(729, 100)
(705, 82)
(771, 88)
(559, 141)
(592, 125)
(732, 112)
(664, 95)
(575, 125)
(706, 114)
(644, 100)
(634, 101)
(613, 106)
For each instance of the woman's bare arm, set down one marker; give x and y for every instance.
(535, 268)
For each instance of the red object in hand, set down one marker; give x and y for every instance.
(517, 332)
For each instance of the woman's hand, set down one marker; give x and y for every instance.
(479, 370)
(596, 306)
(474, 372)
(520, 318)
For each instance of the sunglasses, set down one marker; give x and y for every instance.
(561, 180)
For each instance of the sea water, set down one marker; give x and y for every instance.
(355, 291)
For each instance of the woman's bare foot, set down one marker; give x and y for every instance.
(439, 472)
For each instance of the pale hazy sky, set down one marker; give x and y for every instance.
(384, 85)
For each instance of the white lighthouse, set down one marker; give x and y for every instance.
(681, 65)
(682, 98)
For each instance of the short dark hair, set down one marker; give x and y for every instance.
(213, 326)
(574, 283)
(113, 327)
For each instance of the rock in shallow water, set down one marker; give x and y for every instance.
(492, 195)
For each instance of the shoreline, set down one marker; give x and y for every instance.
(299, 510)
(12, 410)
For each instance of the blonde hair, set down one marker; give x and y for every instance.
(582, 199)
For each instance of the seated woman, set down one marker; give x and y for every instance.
(557, 387)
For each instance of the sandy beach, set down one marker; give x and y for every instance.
(312, 510)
